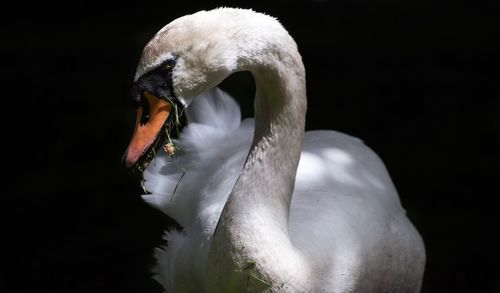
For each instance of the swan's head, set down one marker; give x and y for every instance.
(187, 57)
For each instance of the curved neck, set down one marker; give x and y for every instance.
(251, 243)
(268, 176)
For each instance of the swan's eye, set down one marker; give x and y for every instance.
(169, 63)
(145, 115)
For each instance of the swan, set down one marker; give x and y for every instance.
(264, 206)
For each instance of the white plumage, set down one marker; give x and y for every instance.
(344, 230)
(212, 150)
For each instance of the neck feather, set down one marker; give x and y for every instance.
(251, 243)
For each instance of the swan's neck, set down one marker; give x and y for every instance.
(251, 244)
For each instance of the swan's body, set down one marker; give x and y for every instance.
(254, 218)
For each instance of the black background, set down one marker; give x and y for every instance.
(416, 80)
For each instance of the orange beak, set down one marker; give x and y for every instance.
(147, 134)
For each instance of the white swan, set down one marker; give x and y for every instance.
(254, 217)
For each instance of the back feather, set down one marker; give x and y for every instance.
(212, 118)
(192, 186)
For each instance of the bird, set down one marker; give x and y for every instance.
(262, 205)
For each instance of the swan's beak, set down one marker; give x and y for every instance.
(148, 133)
